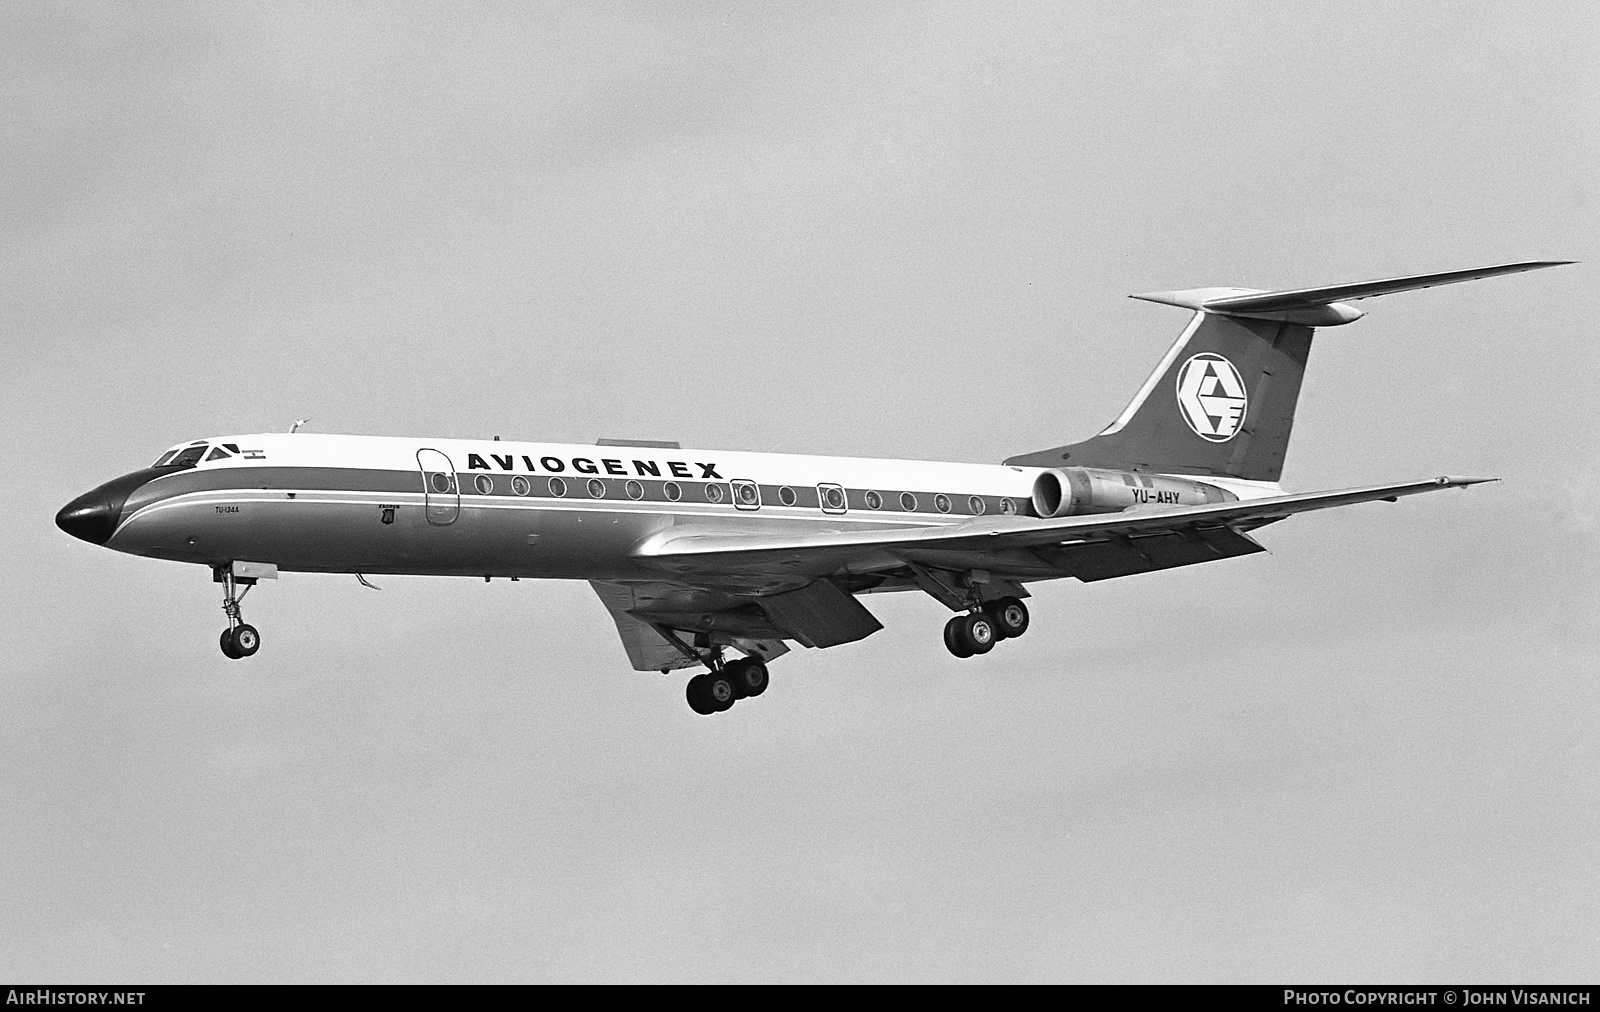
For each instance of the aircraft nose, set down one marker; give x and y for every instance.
(91, 517)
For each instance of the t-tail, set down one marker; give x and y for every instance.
(1221, 402)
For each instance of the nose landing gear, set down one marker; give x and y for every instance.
(238, 640)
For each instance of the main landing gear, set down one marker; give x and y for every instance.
(979, 630)
(238, 640)
(725, 684)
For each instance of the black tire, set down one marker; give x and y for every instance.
(227, 645)
(699, 699)
(735, 671)
(246, 640)
(721, 690)
(989, 611)
(749, 676)
(953, 639)
(1009, 617)
(977, 632)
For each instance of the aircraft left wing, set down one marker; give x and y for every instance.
(1008, 544)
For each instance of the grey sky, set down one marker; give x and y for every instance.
(904, 230)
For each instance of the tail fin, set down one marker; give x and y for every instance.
(1221, 402)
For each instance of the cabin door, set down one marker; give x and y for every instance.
(441, 495)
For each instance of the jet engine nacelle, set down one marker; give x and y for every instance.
(1066, 491)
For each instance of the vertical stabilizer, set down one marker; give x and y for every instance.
(1221, 402)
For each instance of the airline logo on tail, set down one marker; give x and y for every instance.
(1211, 396)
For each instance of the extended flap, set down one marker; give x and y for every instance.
(820, 615)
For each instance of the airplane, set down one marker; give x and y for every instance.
(697, 554)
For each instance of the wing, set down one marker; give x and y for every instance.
(1097, 546)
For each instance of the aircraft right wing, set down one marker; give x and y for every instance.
(1007, 544)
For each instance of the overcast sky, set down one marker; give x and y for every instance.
(886, 229)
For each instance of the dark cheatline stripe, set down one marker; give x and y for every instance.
(694, 492)
(361, 479)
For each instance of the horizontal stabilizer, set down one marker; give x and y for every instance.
(1322, 307)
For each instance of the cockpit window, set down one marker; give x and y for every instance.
(161, 461)
(218, 453)
(188, 456)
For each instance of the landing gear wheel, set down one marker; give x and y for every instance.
(953, 639)
(1009, 617)
(698, 696)
(227, 645)
(245, 640)
(749, 676)
(721, 690)
(976, 632)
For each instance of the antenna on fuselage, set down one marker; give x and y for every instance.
(296, 426)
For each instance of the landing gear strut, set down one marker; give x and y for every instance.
(980, 629)
(238, 640)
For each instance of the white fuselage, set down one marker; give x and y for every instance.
(377, 504)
